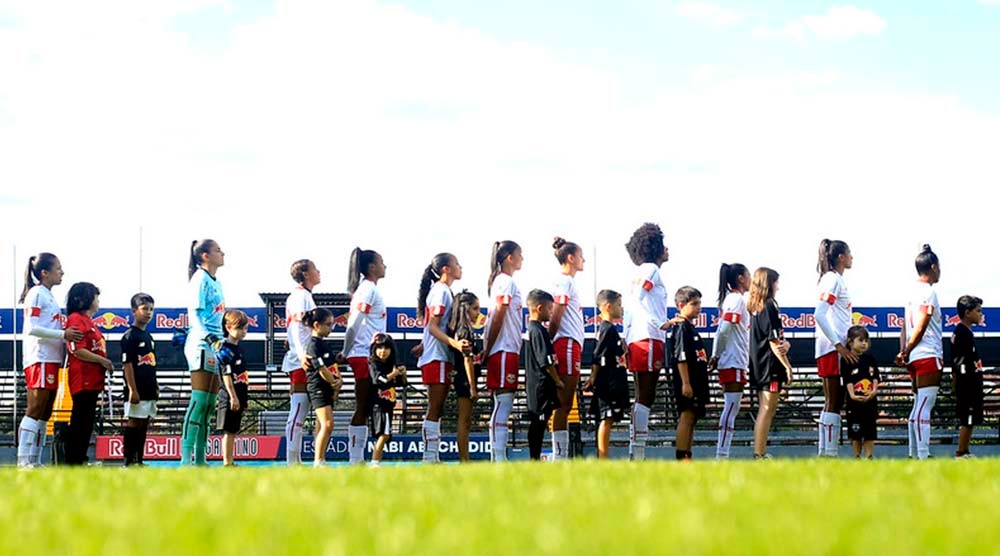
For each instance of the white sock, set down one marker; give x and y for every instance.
(927, 396)
(358, 437)
(822, 434)
(727, 423)
(39, 448)
(432, 441)
(502, 405)
(293, 427)
(911, 424)
(833, 435)
(640, 431)
(560, 445)
(27, 437)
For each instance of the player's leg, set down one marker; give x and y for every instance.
(436, 395)
(464, 427)
(765, 414)
(324, 429)
(357, 432)
(732, 390)
(297, 410)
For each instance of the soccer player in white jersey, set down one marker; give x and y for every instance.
(295, 363)
(43, 353)
(367, 318)
(645, 327)
(503, 340)
(923, 349)
(833, 318)
(566, 329)
(731, 348)
(434, 302)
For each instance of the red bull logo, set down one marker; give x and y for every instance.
(861, 319)
(110, 321)
(404, 321)
(340, 321)
(252, 321)
(164, 322)
(148, 359)
(953, 320)
(702, 355)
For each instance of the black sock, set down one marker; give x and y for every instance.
(682, 454)
(536, 433)
(128, 444)
(140, 445)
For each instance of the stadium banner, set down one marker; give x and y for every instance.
(401, 447)
(403, 320)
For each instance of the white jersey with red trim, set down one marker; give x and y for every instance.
(439, 301)
(566, 294)
(833, 314)
(367, 301)
(923, 301)
(505, 292)
(733, 334)
(43, 328)
(646, 306)
(298, 303)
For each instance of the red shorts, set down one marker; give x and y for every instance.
(436, 372)
(568, 356)
(729, 376)
(42, 376)
(298, 376)
(829, 365)
(645, 356)
(501, 371)
(926, 366)
(359, 365)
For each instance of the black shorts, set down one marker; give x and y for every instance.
(969, 402)
(543, 399)
(226, 419)
(380, 423)
(461, 383)
(697, 404)
(320, 391)
(610, 403)
(861, 419)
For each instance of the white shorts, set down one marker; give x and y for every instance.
(199, 359)
(141, 410)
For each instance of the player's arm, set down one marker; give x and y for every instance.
(592, 379)
(234, 400)
(129, 371)
(849, 386)
(824, 320)
(780, 351)
(470, 373)
(88, 356)
(686, 390)
(551, 370)
(918, 334)
(496, 324)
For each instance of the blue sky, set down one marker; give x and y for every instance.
(419, 127)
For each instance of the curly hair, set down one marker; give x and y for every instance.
(646, 244)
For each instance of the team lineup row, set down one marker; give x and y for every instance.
(749, 348)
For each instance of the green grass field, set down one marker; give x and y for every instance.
(789, 507)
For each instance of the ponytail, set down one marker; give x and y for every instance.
(829, 252)
(198, 248)
(460, 315)
(431, 274)
(33, 273)
(501, 250)
(729, 275)
(360, 261)
(563, 249)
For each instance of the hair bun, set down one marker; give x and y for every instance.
(926, 248)
(558, 242)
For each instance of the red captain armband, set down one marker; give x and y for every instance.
(364, 308)
(828, 297)
(927, 309)
(33, 312)
(562, 299)
(436, 311)
(503, 300)
(647, 285)
(732, 317)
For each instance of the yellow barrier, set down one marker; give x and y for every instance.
(63, 405)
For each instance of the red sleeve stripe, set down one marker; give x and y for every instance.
(364, 308)
(562, 299)
(647, 285)
(437, 311)
(33, 312)
(927, 309)
(828, 297)
(734, 318)
(503, 300)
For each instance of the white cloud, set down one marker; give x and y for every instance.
(838, 23)
(330, 125)
(709, 14)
